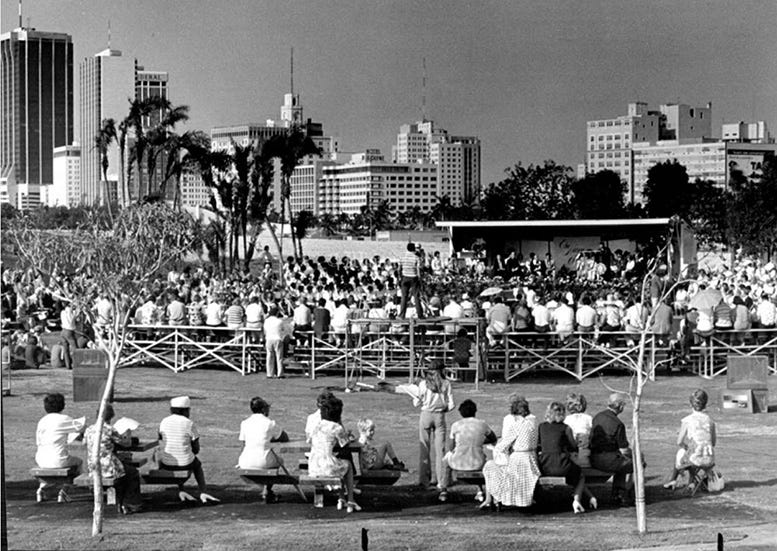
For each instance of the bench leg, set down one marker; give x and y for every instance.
(110, 496)
(318, 497)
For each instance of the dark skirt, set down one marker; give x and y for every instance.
(560, 464)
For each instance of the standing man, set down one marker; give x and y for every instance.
(610, 451)
(69, 319)
(410, 270)
(273, 342)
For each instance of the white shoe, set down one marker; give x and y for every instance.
(479, 496)
(671, 485)
(352, 506)
(593, 504)
(577, 507)
(205, 498)
(62, 497)
(185, 496)
(40, 495)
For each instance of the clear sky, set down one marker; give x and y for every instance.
(523, 76)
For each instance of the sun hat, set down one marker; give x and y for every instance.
(180, 402)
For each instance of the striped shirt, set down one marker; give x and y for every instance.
(234, 316)
(177, 434)
(409, 264)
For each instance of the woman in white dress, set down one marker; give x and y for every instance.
(323, 460)
(257, 433)
(512, 481)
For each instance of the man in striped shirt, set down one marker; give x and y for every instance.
(179, 446)
(411, 271)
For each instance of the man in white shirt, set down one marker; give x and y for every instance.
(467, 307)
(541, 316)
(69, 320)
(179, 446)
(340, 321)
(273, 342)
(564, 319)
(176, 310)
(585, 315)
(103, 313)
(254, 317)
(454, 311)
(767, 312)
(498, 318)
(303, 319)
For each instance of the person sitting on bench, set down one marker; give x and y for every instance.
(256, 433)
(126, 479)
(468, 436)
(51, 438)
(179, 446)
(373, 454)
(696, 441)
(610, 451)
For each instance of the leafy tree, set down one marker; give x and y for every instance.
(667, 191)
(328, 223)
(443, 209)
(8, 212)
(536, 192)
(84, 264)
(599, 195)
(708, 212)
(753, 212)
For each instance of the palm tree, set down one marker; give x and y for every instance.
(290, 148)
(103, 140)
(328, 223)
(180, 152)
(160, 138)
(443, 208)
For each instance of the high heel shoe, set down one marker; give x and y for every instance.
(577, 507)
(205, 498)
(671, 485)
(593, 504)
(341, 504)
(352, 506)
(185, 496)
(40, 495)
(486, 505)
(62, 497)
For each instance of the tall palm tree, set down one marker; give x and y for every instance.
(105, 136)
(181, 152)
(160, 137)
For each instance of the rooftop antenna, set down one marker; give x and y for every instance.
(20, 14)
(109, 34)
(292, 71)
(423, 92)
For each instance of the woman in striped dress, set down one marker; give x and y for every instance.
(513, 473)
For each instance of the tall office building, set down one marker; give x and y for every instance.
(457, 158)
(109, 81)
(36, 110)
(150, 84)
(65, 191)
(106, 85)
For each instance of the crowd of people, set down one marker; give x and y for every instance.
(321, 296)
(567, 441)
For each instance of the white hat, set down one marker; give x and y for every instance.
(465, 296)
(180, 402)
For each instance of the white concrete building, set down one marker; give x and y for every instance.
(751, 132)
(367, 179)
(194, 192)
(66, 189)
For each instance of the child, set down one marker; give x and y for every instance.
(696, 440)
(373, 454)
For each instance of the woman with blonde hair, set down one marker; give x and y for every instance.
(696, 441)
(581, 424)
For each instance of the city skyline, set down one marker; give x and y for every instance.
(523, 77)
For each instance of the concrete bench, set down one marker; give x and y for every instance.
(163, 477)
(378, 477)
(85, 481)
(320, 484)
(57, 477)
(469, 477)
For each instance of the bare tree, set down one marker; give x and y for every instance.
(93, 261)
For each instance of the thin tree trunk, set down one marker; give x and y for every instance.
(97, 481)
(639, 470)
(279, 248)
(291, 227)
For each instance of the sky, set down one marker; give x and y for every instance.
(523, 76)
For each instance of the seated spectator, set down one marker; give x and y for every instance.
(522, 318)
(51, 438)
(34, 354)
(257, 432)
(373, 454)
(321, 320)
(179, 446)
(57, 357)
(564, 319)
(696, 441)
(741, 316)
(498, 317)
(662, 320)
(541, 315)
(462, 348)
(585, 317)
(315, 417)
(555, 446)
(303, 318)
(468, 436)
(581, 423)
(723, 316)
(234, 315)
(126, 479)
(176, 310)
(454, 311)
(323, 461)
(610, 451)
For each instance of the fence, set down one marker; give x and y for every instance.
(382, 347)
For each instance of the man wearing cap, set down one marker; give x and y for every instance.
(179, 446)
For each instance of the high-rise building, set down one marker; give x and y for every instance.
(150, 84)
(36, 110)
(458, 158)
(194, 192)
(65, 190)
(109, 82)
(107, 86)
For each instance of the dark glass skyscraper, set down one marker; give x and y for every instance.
(36, 111)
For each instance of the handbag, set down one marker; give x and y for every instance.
(715, 481)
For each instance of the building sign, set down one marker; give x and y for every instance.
(749, 161)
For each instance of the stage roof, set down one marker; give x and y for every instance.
(555, 223)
